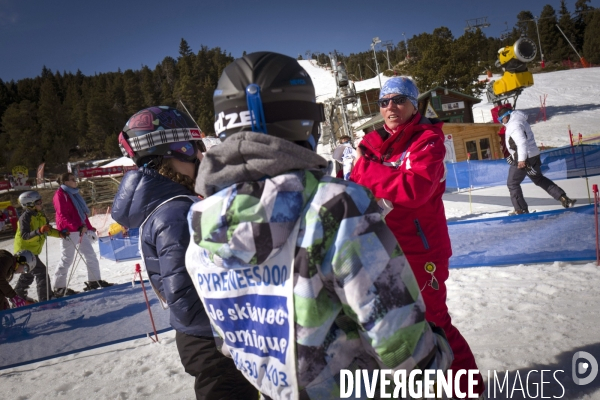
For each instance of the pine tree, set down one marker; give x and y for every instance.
(52, 138)
(582, 17)
(591, 46)
(526, 24)
(134, 101)
(549, 34)
(21, 138)
(98, 119)
(149, 88)
(568, 27)
(184, 48)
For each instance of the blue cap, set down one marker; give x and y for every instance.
(401, 85)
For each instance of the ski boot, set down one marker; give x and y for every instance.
(62, 292)
(91, 285)
(23, 295)
(518, 212)
(566, 201)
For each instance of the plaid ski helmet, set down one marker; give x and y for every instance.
(160, 132)
(269, 93)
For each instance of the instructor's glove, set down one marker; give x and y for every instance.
(18, 301)
(64, 233)
(45, 229)
(511, 161)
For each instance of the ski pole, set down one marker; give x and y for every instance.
(138, 271)
(96, 279)
(47, 268)
(596, 200)
(76, 264)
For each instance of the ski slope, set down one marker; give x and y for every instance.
(518, 318)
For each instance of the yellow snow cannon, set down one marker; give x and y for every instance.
(513, 59)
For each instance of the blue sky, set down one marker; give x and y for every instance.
(102, 36)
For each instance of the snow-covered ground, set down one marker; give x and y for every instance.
(516, 318)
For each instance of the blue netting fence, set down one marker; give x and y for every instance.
(75, 323)
(558, 235)
(563, 163)
(120, 247)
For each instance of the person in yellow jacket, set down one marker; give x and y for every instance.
(32, 230)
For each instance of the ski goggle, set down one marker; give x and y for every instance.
(400, 99)
(500, 118)
(37, 202)
(21, 262)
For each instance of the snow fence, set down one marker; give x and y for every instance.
(558, 235)
(76, 323)
(563, 163)
(120, 247)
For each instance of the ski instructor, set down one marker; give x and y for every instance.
(403, 165)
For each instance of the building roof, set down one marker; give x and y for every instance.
(426, 94)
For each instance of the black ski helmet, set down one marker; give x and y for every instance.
(269, 93)
(160, 131)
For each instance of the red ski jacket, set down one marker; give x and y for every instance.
(407, 168)
(66, 213)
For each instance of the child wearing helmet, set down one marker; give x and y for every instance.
(32, 230)
(166, 144)
(21, 262)
(298, 272)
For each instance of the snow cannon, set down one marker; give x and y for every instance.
(513, 59)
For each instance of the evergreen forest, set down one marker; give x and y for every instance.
(58, 117)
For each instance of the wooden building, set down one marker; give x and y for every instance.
(447, 105)
(481, 141)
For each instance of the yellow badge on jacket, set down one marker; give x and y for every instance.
(430, 269)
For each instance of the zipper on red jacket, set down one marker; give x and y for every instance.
(421, 234)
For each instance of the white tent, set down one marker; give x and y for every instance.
(120, 162)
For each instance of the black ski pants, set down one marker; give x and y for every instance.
(516, 176)
(40, 273)
(216, 375)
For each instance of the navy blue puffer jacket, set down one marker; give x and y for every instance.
(165, 240)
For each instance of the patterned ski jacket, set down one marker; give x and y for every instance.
(407, 168)
(299, 274)
(28, 236)
(164, 240)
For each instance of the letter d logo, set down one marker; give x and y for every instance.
(583, 367)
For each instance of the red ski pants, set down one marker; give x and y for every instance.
(437, 312)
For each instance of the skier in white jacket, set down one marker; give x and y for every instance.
(524, 160)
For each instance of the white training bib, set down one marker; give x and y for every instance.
(252, 309)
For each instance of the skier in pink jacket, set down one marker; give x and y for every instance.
(72, 216)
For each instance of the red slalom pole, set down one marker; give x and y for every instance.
(596, 199)
(138, 271)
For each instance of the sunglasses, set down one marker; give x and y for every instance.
(400, 99)
(37, 202)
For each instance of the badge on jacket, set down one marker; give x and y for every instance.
(433, 282)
